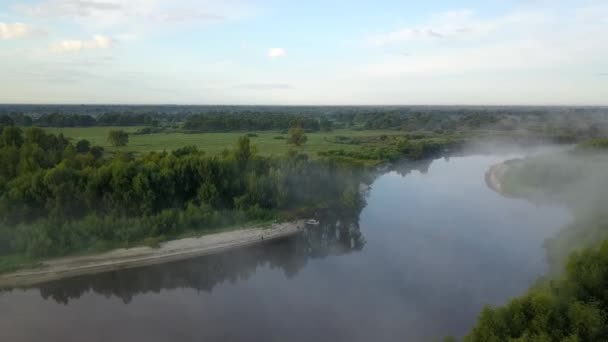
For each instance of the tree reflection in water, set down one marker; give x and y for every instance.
(334, 236)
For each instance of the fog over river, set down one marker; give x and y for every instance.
(432, 246)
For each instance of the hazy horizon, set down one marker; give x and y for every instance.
(264, 52)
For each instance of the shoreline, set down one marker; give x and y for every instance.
(174, 250)
(495, 173)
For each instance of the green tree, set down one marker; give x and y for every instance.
(12, 136)
(297, 136)
(6, 120)
(83, 146)
(573, 308)
(96, 152)
(118, 138)
(243, 150)
(326, 125)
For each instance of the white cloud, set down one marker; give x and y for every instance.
(15, 30)
(177, 16)
(463, 42)
(459, 25)
(120, 15)
(98, 42)
(265, 86)
(276, 53)
(500, 56)
(69, 8)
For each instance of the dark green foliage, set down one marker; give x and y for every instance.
(54, 200)
(326, 125)
(149, 130)
(118, 138)
(559, 124)
(248, 121)
(6, 120)
(11, 136)
(64, 120)
(83, 146)
(84, 120)
(96, 152)
(574, 308)
(383, 148)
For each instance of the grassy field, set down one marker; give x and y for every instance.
(212, 143)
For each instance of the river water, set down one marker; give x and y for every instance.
(433, 246)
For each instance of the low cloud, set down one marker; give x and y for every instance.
(181, 16)
(276, 53)
(98, 42)
(69, 8)
(126, 13)
(465, 42)
(463, 25)
(15, 30)
(408, 34)
(265, 86)
(451, 24)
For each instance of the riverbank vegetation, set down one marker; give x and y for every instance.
(569, 304)
(571, 308)
(55, 200)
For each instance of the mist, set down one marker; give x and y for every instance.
(432, 245)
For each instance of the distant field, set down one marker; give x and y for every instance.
(212, 143)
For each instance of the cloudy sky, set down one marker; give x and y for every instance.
(304, 52)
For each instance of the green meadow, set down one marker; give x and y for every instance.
(267, 143)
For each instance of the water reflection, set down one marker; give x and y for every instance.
(438, 246)
(334, 236)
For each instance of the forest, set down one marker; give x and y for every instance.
(565, 123)
(55, 199)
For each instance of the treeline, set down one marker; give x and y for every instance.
(80, 120)
(55, 200)
(227, 122)
(431, 121)
(558, 127)
(567, 124)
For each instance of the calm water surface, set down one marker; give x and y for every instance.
(432, 246)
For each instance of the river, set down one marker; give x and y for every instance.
(433, 245)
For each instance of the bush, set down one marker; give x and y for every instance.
(118, 138)
(573, 308)
(83, 146)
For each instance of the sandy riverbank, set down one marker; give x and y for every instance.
(493, 176)
(56, 269)
(495, 173)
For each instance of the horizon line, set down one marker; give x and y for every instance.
(296, 105)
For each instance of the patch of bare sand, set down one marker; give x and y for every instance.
(496, 172)
(67, 267)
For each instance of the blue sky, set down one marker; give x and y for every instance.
(304, 52)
